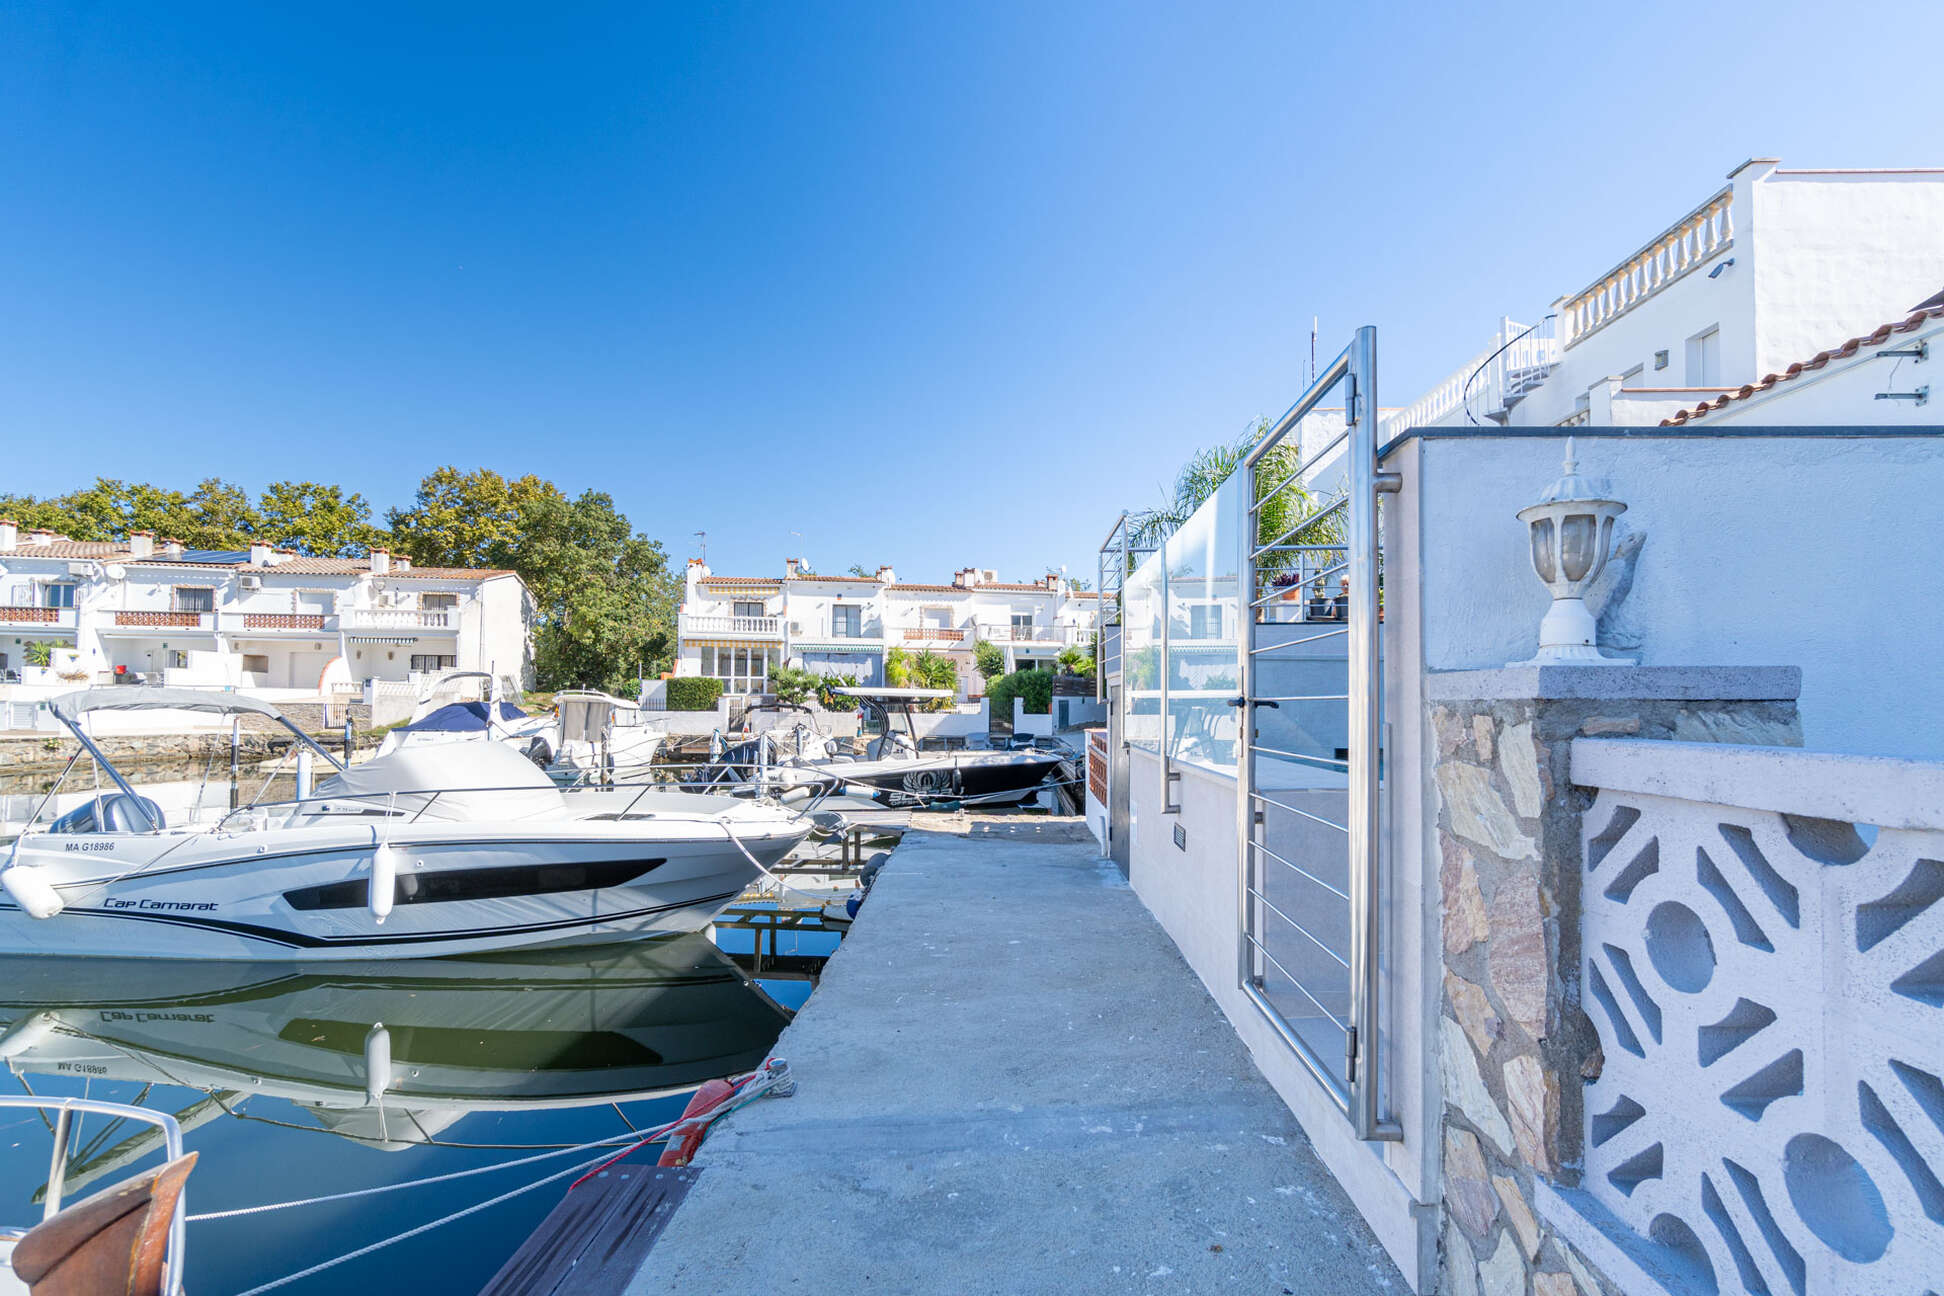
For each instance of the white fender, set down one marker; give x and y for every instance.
(378, 1063)
(384, 880)
(26, 1035)
(32, 891)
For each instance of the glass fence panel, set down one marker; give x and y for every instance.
(1141, 606)
(1202, 596)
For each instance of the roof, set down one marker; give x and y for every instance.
(1882, 334)
(238, 560)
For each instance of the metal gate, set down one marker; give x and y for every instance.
(1310, 765)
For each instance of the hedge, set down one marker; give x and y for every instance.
(693, 692)
(1035, 686)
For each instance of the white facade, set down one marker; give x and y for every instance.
(265, 619)
(1776, 265)
(736, 628)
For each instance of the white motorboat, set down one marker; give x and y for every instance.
(791, 759)
(601, 739)
(445, 714)
(447, 849)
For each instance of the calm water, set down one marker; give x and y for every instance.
(274, 1074)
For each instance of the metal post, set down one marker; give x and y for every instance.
(57, 1173)
(1366, 714)
(236, 762)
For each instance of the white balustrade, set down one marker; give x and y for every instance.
(1689, 243)
(753, 627)
(1762, 936)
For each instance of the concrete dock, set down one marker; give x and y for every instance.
(1009, 1081)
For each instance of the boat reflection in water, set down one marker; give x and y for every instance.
(392, 1054)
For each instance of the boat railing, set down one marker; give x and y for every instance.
(65, 1111)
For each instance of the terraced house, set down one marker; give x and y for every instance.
(735, 628)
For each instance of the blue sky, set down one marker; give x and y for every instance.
(926, 284)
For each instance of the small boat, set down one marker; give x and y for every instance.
(446, 849)
(893, 773)
(600, 739)
(126, 1239)
(442, 716)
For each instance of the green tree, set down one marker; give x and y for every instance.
(988, 659)
(934, 671)
(1075, 662)
(792, 685)
(470, 519)
(1282, 508)
(216, 515)
(317, 519)
(897, 668)
(1035, 686)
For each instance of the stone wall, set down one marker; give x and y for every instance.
(1515, 1048)
(30, 756)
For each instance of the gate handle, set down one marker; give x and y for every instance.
(1242, 701)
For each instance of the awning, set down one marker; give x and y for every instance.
(391, 641)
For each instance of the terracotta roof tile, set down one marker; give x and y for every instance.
(1883, 333)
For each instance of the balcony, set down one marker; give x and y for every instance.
(993, 632)
(145, 622)
(276, 622)
(395, 621)
(731, 627)
(1682, 248)
(43, 617)
(1486, 387)
(935, 634)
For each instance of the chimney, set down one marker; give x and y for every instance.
(401, 563)
(141, 544)
(172, 548)
(886, 576)
(259, 553)
(9, 534)
(790, 566)
(39, 538)
(281, 556)
(380, 561)
(698, 571)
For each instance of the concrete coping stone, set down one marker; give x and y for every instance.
(1888, 791)
(1618, 683)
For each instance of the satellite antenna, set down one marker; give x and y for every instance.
(115, 571)
(703, 536)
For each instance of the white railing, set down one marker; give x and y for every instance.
(1763, 942)
(1683, 247)
(753, 627)
(397, 619)
(1515, 361)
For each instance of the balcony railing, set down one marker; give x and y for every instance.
(395, 619)
(743, 627)
(165, 620)
(993, 632)
(23, 614)
(1682, 248)
(283, 620)
(942, 634)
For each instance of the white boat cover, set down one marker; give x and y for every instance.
(473, 780)
(71, 706)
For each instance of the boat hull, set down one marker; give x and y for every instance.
(304, 895)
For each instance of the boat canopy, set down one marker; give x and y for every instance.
(462, 717)
(71, 706)
(476, 780)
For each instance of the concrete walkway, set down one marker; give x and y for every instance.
(1009, 1081)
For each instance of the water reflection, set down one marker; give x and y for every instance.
(384, 1060)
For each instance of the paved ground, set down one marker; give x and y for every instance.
(1009, 1081)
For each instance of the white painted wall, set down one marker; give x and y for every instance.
(1844, 392)
(1812, 552)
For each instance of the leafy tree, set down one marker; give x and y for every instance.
(791, 685)
(827, 696)
(470, 519)
(1079, 583)
(605, 597)
(934, 671)
(859, 569)
(989, 660)
(318, 520)
(216, 515)
(1075, 662)
(897, 668)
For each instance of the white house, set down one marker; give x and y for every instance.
(1765, 272)
(736, 628)
(262, 618)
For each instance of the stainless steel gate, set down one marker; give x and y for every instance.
(1310, 754)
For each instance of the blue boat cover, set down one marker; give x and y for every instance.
(462, 717)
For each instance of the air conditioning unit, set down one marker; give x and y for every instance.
(252, 582)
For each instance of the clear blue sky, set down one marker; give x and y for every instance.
(929, 284)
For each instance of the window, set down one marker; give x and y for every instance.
(190, 599)
(256, 664)
(1704, 359)
(748, 609)
(936, 618)
(57, 596)
(1205, 621)
(438, 602)
(1022, 625)
(314, 602)
(846, 621)
(741, 670)
(427, 662)
(175, 659)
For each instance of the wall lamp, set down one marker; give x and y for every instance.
(1719, 267)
